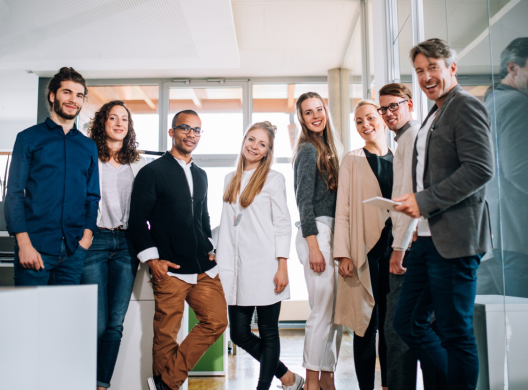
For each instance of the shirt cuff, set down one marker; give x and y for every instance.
(212, 251)
(282, 246)
(148, 254)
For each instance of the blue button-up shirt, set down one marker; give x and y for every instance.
(53, 187)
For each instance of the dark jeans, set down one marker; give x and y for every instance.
(265, 347)
(65, 269)
(446, 287)
(111, 263)
(401, 370)
(365, 347)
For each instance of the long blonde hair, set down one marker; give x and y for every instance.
(327, 155)
(258, 179)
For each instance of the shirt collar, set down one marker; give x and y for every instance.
(183, 163)
(404, 129)
(53, 125)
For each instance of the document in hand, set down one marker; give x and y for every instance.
(382, 203)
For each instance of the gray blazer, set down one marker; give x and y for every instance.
(458, 164)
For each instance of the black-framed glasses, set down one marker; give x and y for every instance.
(186, 129)
(393, 107)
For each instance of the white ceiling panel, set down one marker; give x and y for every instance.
(117, 34)
(176, 38)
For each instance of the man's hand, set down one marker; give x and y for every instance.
(87, 239)
(346, 268)
(281, 277)
(27, 255)
(212, 257)
(159, 268)
(396, 262)
(409, 205)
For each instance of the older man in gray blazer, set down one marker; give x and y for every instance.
(452, 162)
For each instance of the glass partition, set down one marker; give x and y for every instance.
(491, 39)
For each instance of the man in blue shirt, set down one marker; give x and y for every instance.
(53, 191)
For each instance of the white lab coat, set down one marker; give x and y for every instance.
(247, 253)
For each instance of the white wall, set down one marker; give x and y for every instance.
(18, 104)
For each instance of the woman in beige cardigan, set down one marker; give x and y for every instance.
(362, 243)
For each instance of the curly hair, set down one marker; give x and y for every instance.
(96, 131)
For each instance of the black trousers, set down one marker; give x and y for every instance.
(266, 347)
(365, 347)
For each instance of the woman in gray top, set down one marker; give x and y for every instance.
(111, 261)
(315, 179)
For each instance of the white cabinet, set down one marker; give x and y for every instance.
(48, 338)
(502, 340)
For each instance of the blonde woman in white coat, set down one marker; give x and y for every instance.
(253, 248)
(111, 260)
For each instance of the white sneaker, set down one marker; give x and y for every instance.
(298, 385)
(151, 384)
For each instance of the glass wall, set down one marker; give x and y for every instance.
(491, 39)
(142, 100)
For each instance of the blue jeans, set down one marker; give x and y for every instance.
(111, 263)
(446, 287)
(62, 270)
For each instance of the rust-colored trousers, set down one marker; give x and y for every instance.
(170, 360)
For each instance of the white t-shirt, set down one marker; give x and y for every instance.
(423, 224)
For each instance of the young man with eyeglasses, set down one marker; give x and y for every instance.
(169, 224)
(396, 110)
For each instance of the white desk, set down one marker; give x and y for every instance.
(501, 329)
(48, 338)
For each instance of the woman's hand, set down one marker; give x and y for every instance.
(317, 260)
(281, 277)
(346, 268)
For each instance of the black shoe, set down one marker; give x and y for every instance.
(155, 383)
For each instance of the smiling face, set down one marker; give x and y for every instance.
(369, 124)
(256, 146)
(397, 119)
(69, 99)
(116, 125)
(434, 77)
(314, 115)
(185, 143)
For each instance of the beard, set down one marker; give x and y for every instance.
(57, 107)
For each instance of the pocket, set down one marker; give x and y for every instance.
(324, 238)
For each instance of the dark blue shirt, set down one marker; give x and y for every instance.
(53, 188)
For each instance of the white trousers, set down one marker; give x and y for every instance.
(322, 337)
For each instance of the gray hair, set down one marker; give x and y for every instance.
(516, 52)
(435, 48)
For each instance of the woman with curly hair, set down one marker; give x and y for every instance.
(111, 262)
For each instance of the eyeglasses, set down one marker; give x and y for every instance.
(186, 129)
(393, 107)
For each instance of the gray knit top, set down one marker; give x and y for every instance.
(313, 198)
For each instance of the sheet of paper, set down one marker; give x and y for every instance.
(382, 203)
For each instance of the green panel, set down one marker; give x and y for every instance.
(213, 359)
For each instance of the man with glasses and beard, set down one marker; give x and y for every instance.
(53, 190)
(170, 228)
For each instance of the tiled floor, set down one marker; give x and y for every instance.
(244, 370)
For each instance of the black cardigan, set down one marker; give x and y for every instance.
(179, 224)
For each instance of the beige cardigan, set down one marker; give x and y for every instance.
(358, 228)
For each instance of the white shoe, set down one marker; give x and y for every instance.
(298, 385)
(151, 384)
